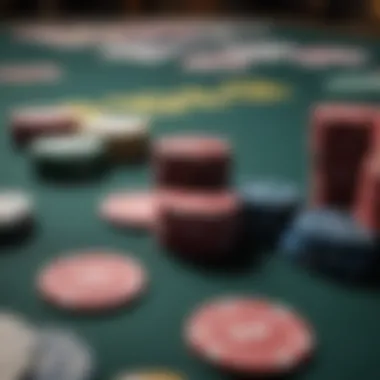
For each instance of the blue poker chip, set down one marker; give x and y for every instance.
(331, 241)
(62, 355)
(268, 207)
(271, 194)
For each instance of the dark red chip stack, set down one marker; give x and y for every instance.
(192, 162)
(367, 208)
(342, 136)
(201, 225)
(198, 216)
(30, 123)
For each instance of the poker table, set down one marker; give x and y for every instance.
(269, 135)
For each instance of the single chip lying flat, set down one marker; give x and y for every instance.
(130, 209)
(249, 336)
(93, 280)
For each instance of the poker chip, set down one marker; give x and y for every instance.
(268, 207)
(198, 225)
(130, 209)
(93, 280)
(61, 355)
(192, 161)
(29, 123)
(342, 135)
(366, 208)
(16, 215)
(18, 348)
(330, 241)
(151, 374)
(68, 156)
(249, 336)
(126, 137)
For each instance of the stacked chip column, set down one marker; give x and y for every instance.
(341, 138)
(198, 216)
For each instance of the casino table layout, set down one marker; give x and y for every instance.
(264, 111)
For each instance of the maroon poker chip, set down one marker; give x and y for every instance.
(249, 336)
(190, 161)
(203, 225)
(29, 123)
(367, 206)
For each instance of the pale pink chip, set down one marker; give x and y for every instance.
(130, 209)
(250, 336)
(92, 281)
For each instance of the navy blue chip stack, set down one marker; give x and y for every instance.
(331, 241)
(268, 206)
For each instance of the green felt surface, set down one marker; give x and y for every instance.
(269, 140)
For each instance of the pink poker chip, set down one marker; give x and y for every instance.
(93, 280)
(130, 209)
(249, 336)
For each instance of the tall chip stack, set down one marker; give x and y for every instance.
(342, 135)
(367, 208)
(198, 216)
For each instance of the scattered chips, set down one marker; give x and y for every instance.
(249, 336)
(94, 280)
(130, 209)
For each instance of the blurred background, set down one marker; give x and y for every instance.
(359, 12)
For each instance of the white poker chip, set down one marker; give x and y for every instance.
(61, 355)
(15, 207)
(19, 342)
(67, 147)
(117, 126)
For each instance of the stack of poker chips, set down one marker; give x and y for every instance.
(64, 145)
(341, 137)
(197, 214)
(339, 233)
(332, 242)
(268, 207)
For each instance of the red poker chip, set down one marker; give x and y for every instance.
(198, 224)
(92, 281)
(29, 123)
(201, 162)
(250, 336)
(193, 147)
(130, 209)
